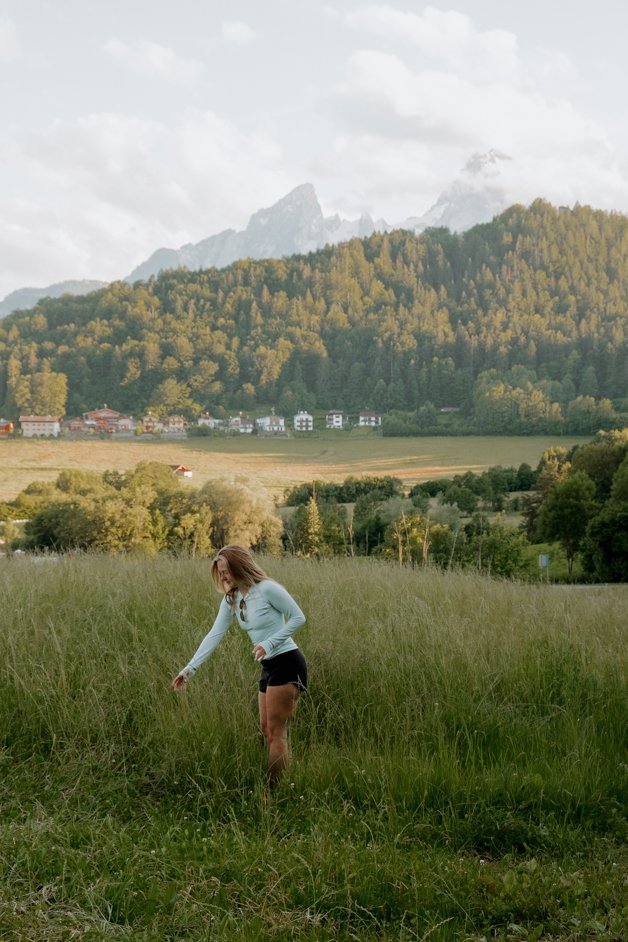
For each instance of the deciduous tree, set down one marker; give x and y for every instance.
(565, 513)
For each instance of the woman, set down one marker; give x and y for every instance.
(270, 616)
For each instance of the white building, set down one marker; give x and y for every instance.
(336, 419)
(303, 421)
(126, 424)
(271, 423)
(38, 426)
(240, 423)
(369, 418)
(205, 420)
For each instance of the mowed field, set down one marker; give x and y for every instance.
(277, 463)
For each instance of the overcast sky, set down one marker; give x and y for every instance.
(134, 124)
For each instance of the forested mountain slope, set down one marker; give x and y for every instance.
(539, 295)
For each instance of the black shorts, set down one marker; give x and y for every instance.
(287, 668)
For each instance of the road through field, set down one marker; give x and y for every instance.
(277, 463)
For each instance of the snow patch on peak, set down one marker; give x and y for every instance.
(479, 163)
(476, 196)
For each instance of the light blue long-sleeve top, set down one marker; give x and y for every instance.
(272, 616)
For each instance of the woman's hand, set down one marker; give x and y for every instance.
(179, 681)
(258, 652)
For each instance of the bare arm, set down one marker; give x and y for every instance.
(209, 644)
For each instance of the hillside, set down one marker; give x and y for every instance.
(512, 322)
(29, 297)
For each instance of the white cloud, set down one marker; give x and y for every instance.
(9, 43)
(434, 89)
(442, 107)
(100, 194)
(364, 173)
(152, 60)
(401, 101)
(445, 36)
(237, 32)
(37, 246)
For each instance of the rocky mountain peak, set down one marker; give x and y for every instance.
(477, 195)
(292, 223)
(295, 225)
(300, 204)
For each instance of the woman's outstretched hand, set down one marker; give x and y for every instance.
(179, 681)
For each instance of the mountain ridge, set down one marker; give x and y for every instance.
(23, 298)
(296, 225)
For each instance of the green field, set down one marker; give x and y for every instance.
(459, 761)
(277, 463)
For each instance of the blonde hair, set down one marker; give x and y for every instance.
(243, 568)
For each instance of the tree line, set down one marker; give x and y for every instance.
(575, 498)
(144, 511)
(518, 324)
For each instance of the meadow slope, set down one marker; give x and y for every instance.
(459, 760)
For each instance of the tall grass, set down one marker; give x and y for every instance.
(459, 761)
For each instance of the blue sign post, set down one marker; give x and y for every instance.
(544, 562)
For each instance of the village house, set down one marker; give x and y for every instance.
(303, 421)
(174, 425)
(103, 420)
(205, 420)
(80, 426)
(336, 419)
(126, 426)
(40, 426)
(6, 428)
(152, 424)
(369, 418)
(271, 423)
(240, 423)
(181, 471)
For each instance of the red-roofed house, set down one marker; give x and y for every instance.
(104, 420)
(181, 471)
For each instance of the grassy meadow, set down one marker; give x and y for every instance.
(459, 760)
(279, 462)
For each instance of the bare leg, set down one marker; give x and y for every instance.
(276, 708)
(263, 722)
